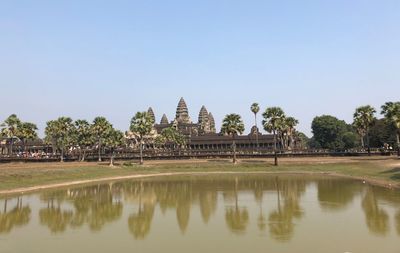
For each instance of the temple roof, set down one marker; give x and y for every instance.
(164, 119)
(203, 115)
(151, 114)
(182, 112)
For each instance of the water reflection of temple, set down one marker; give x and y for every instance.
(276, 216)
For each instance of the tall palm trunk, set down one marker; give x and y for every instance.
(234, 149)
(275, 153)
(99, 150)
(369, 148)
(83, 155)
(141, 151)
(62, 155)
(255, 123)
(362, 141)
(112, 158)
(11, 146)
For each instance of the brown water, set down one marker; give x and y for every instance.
(206, 214)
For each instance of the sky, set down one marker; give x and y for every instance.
(84, 59)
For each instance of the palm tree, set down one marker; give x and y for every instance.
(290, 124)
(232, 125)
(64, 128)
(363, 119)
(358, 124)
(99, 129)
(255, 108)
(391, 111)
(142, 125)
(10, 129)
(27, 131)
(273, 119)
(83, 137)
(115, 138)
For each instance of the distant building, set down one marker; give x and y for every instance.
(203, 135)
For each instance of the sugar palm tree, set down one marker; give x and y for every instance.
(391, 111)
(232, 125)
(359, 125)
(10, 129)
(255, 108)
(83, 137)
(59, 132)
(27, 131)
(363, 119)
(99, 129)
(141, 124)
(273, 119)
(114, 139)
(290, 124)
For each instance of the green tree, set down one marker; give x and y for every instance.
(171, 134)
(141, 124)
(391, 111)
(290, 124)
(382, 132)
(273, 120)
(329, 132)
(27, 131)
(83, 137)
(255, 108)
(363, 119)
(10, 129)
(114, 139)
(60, 132)
(99, 130)
(232, 125)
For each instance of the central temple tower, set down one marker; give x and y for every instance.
(182, 112)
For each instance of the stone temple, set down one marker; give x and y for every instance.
(205, 124)
(202, 135)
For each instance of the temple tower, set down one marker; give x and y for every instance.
(164, 120)
(150, 112)
(203, 115)
(182, 112)
(204, 121)
(212, 122)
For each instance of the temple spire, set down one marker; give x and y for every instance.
(151, 114)
(212, 122)
(182, 112)
(203, 115)
(164, 120)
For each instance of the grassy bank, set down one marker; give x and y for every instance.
(381, 170)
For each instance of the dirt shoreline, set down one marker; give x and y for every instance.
(366, 180)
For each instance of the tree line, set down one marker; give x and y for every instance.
(366, 130)
(328, 132)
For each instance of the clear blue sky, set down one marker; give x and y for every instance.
(113, 58)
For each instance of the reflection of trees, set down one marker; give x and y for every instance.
(92, 205)
(258, 195)
(376, 218)
(335, 194)
(55, 218)
(281, 222)
(236, 218)
(139, 223)
(16, 217)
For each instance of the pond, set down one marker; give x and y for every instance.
(224, 213)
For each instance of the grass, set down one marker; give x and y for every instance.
(381, 170)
